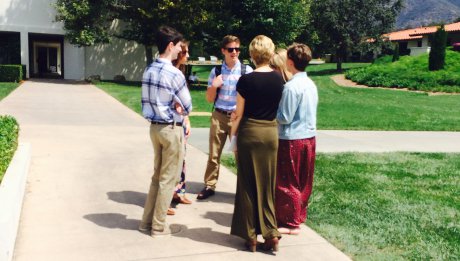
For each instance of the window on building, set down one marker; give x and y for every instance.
(10, 48)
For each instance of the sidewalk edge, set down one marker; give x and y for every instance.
(12, 191)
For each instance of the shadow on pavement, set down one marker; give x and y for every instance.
(221, 218)
(219, 197)
(128, 197)
(207, 235)
(113, 220)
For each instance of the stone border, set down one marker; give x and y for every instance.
(12, 191)
(341, 80)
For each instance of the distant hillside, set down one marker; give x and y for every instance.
(424, 12)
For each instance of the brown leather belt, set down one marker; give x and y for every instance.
(226, 113)
(165, 123)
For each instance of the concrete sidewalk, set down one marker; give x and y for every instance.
(89, 175)
(330, 141)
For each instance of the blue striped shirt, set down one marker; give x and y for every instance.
(163, 85)
(226, 98)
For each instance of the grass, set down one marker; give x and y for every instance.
(6, 88)
(387, 206)
(129, 93)
(411, 72)
(339, 107)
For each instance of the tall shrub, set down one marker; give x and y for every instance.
(396, 53)
(438, 50)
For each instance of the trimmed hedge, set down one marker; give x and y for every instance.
(9, 130)
(11, 73)
(412, 73)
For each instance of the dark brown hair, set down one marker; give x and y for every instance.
(300, 54)
(165, 35)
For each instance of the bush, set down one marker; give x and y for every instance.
(9, 130)
(11, 73)
(410, 72)
(382, 60)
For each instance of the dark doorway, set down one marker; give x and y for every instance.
(46, 55)
(42, 61)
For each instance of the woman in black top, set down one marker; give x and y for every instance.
(259, 94)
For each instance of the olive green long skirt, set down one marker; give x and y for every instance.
(254, 211)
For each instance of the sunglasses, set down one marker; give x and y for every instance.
(184, 52)
(230, 50)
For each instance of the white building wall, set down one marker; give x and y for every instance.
(74, 68)
(120, 57)
(416, 51)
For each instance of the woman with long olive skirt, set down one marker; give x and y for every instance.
(254, 123)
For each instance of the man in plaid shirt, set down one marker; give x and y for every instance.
(163, 88)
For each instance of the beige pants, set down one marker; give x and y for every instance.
(218, 133)
(168, 144)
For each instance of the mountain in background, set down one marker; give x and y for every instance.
(419, 13)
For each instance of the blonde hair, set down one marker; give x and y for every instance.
(261, 49)
(278, 63)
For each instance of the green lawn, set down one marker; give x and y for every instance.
(339, 107)
(6, 88)
(387, 206)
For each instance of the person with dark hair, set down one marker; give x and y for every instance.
(255, 126)
(222, 92)
(163, 86)
(179, 191)
(297, 144)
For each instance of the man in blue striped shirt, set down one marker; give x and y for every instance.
(222, 91)
(163, 88)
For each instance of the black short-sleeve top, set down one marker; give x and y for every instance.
(262, 94)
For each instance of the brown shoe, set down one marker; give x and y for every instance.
(170, 212)
(181, 200)
(205, 193)
(271, 244)
(251, 245)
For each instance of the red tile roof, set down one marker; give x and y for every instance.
(417, 33)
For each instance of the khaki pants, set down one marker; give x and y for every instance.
(168, 144)
(218, 133)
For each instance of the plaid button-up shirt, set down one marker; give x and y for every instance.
(163, 85)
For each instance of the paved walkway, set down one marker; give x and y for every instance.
(365, 141)
(89, 174)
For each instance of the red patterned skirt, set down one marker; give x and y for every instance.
(294, 180)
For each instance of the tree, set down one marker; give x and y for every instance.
(344, 25)
(87, 22)
(281, 20)
(438, 50)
